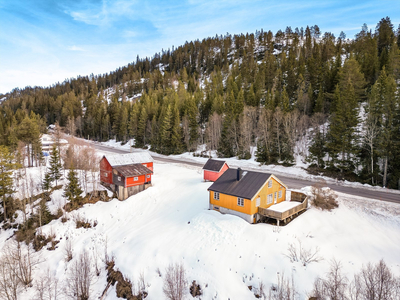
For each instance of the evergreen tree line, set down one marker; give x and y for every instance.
(269, 91)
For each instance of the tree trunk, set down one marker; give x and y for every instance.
(385, 171)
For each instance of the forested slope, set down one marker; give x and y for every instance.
(232, 92)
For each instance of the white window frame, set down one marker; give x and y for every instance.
(145, 165)
(135, 178)
(119, 178)
(258, 201)
(270, 183)
(280, 194)
(269, 199)
(105, 174)
(275, 196)
(148, 176)
(240, 201)
(216, 196)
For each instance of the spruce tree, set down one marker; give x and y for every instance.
(55, 165)
(176, 133)
(165, 131)
(73, 191)
(7, 165)
(141, 130)
(46, 184)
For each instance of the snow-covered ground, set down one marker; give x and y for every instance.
(170, 223)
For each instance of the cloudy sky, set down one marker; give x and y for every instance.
(45, 41)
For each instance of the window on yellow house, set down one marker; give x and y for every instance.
(216, 195)
(270, 184)
(258, 202)
(280, 194)
(269, 199)
(240, 201)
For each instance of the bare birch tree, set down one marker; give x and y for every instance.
(175, 282)
(80, 278)
(10, 285)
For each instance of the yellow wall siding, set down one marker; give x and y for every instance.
(230, 202)
(265, 191)
(250, 208)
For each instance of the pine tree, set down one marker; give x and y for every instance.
(73, 191)
(46, 184)
(55, 165)
(7, 165)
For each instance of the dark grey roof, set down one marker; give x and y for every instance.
(132, 170)
(213, 165)
(248, 185)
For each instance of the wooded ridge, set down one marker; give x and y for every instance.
(334, 101)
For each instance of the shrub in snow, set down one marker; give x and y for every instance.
(323, 198)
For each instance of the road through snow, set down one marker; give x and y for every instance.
(292, 182)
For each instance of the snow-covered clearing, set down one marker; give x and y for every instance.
(170, 222)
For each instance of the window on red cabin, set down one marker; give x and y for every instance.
(105, 174)
(135, 178)
(145, 165)
(148, 176)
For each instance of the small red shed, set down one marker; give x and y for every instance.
(108, 162)
(213, 169)
(130, 179)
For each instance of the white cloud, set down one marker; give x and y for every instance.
(75, 48)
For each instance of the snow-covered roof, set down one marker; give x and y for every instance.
(129, 158)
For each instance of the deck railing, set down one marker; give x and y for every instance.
(295, 196)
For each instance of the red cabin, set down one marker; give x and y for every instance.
(127, 174)
(213, 169)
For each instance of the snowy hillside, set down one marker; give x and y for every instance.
(170, 223)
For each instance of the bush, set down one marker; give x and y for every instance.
(323, 198)
(195, 289)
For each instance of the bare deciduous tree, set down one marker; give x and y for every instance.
(284, 290)
(68, 250)
(213, 131)
(376, 282)
(79, 279)
(47, 287)
(10, 285)
(302, 254)
(24, 258)
(175, 283)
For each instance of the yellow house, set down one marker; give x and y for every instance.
(241, 193)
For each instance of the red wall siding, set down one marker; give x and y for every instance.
(148, 179)
(131, 182)
(213, 176)
(105, 168)
(148, 165)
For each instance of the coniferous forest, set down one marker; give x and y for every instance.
(333, 100)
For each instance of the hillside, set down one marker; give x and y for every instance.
(170, 223)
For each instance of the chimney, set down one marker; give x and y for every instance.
(238, 174)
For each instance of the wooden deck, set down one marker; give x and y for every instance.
(282, 216)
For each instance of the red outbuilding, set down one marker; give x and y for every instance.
(213, 169)
(127, 174)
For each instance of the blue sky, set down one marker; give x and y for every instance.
(46, 41)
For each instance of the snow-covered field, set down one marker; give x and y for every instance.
(170, 223)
